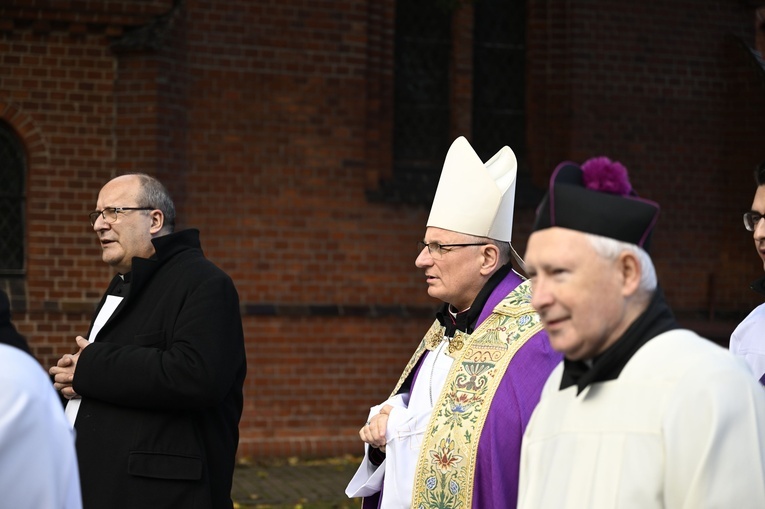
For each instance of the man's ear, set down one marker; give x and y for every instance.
(490, 259)
(157, 221)
(631, 272)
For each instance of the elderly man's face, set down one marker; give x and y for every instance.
(131, 234)
(453, 276)
(577, 293)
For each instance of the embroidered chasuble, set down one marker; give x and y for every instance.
(449, 471)
(454, 436)
(445, 468)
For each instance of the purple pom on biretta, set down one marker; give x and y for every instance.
(602, 174)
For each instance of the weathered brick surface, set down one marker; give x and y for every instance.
(661, 87)
(270, 121)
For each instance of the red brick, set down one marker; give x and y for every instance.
(269, 122)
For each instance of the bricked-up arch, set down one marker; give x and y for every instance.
(13, 169)
(22, 150)
(28, 132)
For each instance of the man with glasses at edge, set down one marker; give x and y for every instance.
(155, 391)
(748, 340)
(449, 435)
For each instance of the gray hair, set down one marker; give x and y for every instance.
(610, 249)
(154, 194)
(503, 246)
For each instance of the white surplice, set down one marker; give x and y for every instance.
(37, 456)
(682, 427)
(406, 427)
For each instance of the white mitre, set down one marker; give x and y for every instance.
(473, 197)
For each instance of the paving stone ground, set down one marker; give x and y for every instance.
(294, 483)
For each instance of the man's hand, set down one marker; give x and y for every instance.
(373, 432)
(63, 371)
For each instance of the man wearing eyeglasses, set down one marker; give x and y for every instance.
(748, 341)
(449, 434)
(155, 389)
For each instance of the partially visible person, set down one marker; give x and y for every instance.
(38, 464)
(748, 339)
(8, 333)
(449, 434)
(155, 391)
(641, 414)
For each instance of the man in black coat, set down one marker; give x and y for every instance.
(155, 391)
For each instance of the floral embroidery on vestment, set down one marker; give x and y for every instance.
(446, 464)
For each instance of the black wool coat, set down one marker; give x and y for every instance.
(161, 386)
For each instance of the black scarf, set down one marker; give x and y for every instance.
(465, 321)
(655, 320)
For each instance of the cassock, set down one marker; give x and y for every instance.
(658, 421)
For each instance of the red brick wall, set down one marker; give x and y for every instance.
(56, 90)
(658, 86)
(269, 122)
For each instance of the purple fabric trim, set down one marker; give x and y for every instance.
(372, 501)
(417, 369)
(499, 447)
(551, 194)
(653, 221)
(504, 287)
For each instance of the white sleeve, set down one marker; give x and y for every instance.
(38, 460)
(369, 477)
(714, 436)
(748, 341)
(405, 430)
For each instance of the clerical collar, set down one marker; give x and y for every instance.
(455, 313)
(122, 288)
(465, 320)
(655, 320)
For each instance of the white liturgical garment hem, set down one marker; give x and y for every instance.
(407, 424)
